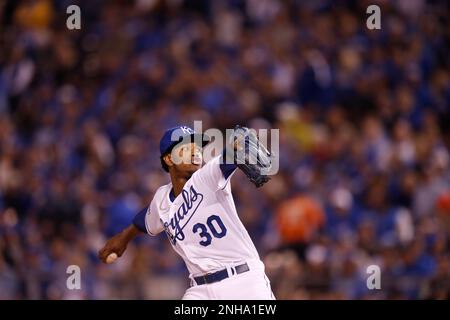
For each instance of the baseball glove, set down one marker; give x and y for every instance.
(250, 155)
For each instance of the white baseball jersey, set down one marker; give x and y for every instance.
(202, 223)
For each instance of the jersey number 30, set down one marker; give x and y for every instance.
(217, 229)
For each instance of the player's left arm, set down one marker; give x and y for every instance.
(227, 169)
(243, 151)
(247, 153)
(216, 173)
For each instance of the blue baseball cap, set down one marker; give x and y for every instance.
(177, 134)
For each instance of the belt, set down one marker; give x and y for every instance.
(220, 275)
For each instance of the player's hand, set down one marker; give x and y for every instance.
(251, 156)
(117, 244)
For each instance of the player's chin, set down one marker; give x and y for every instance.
(190, 168)
(196, 163)
(194, 166)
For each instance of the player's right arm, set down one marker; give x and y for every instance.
(145, 221)
(118, 243)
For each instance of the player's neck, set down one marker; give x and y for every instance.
(178, 184)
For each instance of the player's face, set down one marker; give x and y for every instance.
(187, 158)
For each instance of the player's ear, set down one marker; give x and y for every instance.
(168, 160)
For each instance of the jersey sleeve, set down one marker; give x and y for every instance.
(139, 220)
(147, 220)
(216, 174)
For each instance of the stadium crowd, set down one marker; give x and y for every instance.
(364, 119)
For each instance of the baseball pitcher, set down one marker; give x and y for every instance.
(196, 210)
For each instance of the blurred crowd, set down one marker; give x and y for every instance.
(364, 119)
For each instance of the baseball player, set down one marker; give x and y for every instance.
(197, 212)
